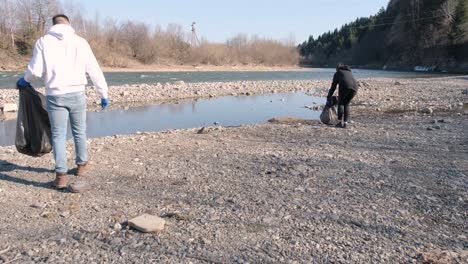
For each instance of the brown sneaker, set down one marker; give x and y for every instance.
(61, 180)
(82, 169)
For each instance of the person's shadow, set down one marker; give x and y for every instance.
(6, 166)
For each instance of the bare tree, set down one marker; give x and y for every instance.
(136, 36)
(8, 23)
(74, 10)
(121, 44)
(25, 7)
(43, 11)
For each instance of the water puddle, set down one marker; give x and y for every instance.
(224, 111)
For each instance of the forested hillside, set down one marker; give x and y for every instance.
(408, 33)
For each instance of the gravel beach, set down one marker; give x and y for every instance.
(380, 94)
(391, 188)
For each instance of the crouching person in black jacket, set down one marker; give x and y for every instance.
(346, 91)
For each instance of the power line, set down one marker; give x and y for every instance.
(388, 24)
(401, 22)
(410, 15)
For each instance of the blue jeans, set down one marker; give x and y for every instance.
(60, 109)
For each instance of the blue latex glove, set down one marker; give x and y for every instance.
(329, 104)
(22, 83)
(104, 103)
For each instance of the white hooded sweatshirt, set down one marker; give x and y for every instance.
(62, 59)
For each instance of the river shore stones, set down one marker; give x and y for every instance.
(147, 223)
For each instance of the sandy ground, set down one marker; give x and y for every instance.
(391, 188)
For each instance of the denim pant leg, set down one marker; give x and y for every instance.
(58, 115)
(78, 127)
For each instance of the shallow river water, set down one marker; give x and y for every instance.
(224, 111)
(8, 79)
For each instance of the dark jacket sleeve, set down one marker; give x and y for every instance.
(333, 87)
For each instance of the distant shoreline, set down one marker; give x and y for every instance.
(189, 68)
(394, 94)
(229, 68)
(204, 68)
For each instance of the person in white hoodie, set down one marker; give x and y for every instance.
(62, 59)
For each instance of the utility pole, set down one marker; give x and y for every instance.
(194, 42)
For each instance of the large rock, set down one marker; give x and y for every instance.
(78, 187)
(147, 223)
(10, 108)
(178, 83)
(427, 110)
(363, 84)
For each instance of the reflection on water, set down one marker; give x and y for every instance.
(7, 132)
(225, 111)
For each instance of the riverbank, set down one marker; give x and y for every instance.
(378, 94)
(203, 68)
(180, 68)
(392, 188)
(386, 190)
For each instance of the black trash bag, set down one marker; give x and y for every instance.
(33, 133)
(329, 115)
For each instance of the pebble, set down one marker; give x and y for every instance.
(65, 214)
(77, 236)
(427, 110)
(39, 205)
(180, 83)
(117, 227)
(78, 187)
(202, 130)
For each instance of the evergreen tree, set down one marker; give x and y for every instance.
(408, 32)
(459, 32)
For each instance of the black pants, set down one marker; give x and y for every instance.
(344, 99)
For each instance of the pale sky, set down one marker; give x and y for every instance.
(218, 20)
